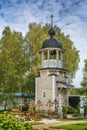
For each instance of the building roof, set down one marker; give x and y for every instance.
(65, 83)
(30, 95)
(51, 43)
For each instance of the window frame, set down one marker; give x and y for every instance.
(44, 94)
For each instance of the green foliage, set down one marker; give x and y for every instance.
(71, 56)
(71, 110)
(14, 64)
(64, 109)
(78, 91)
(36, 123)
(9, 122)
(12, 61)
(34, 39)
(85, 108)
(78, 126)
(85, 68)
(84, 81)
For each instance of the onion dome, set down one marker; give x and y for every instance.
(51, 42)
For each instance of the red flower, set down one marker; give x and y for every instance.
(25, 113)
(37, 118)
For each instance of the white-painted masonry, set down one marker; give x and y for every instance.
(53, 88)
(35, 90)
(48, 72)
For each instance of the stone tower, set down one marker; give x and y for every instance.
(52, 82)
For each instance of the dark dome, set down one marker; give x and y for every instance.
(51, 43)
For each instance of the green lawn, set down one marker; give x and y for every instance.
(79, 126)
(36, 123)
(71, 119)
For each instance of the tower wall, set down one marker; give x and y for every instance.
(45, 84)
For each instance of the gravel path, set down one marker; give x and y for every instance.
(57, 123)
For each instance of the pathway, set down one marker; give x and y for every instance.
(57, 123)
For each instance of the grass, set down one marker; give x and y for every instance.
(75, 118)
(78, 126)
(36, 123)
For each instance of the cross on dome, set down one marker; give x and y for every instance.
(51, 31)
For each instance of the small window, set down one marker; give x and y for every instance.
(44, 94)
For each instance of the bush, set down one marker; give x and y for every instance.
(9, 122)
(71, 110)
(85, 108)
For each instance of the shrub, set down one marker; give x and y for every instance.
(9, 122)
(71, 110)
(85, 108)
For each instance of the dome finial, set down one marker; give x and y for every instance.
(52, 20)
(51, 30)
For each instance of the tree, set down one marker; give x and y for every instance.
(34, 39)
(84, 81)
(14, 63)
(71, 55)
(83, 89)
(77, 91)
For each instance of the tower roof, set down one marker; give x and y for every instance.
(51, 42)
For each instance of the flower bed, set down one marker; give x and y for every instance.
(37, 119)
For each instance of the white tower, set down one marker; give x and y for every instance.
(52, 81)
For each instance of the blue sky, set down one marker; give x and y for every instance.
(69, 15)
